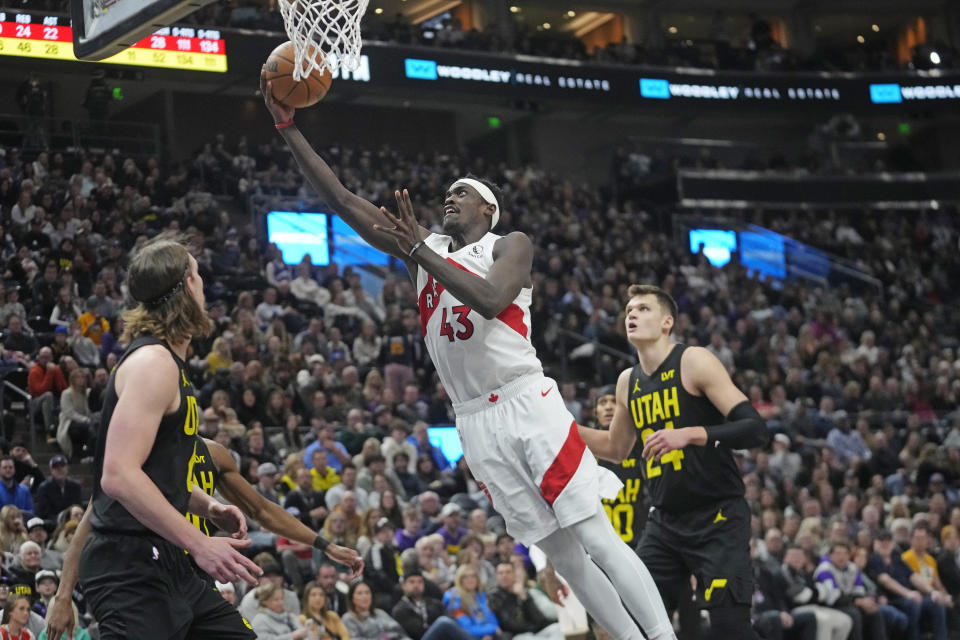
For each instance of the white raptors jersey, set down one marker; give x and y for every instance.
(473, 355)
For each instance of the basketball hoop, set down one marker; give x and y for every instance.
(331, 25)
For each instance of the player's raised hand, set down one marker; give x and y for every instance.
(219, 558)
(279, 111)
(405, 229)
(230, 519)
(60, 618)
(348, 557)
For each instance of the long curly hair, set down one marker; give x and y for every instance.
(157, 281)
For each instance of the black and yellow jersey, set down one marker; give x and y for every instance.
(628, 511)
(205, 476)
(169, 464)
(692, 477)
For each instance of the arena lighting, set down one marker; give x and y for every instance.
(876, 28)
(861, 39)
(378, 10)
(934, 57)
(514, 9)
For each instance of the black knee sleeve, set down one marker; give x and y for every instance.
(731, 622)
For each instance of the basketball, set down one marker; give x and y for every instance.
(285, 89)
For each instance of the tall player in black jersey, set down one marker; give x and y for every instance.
(676, 398)
(213, 468)
(133, 569)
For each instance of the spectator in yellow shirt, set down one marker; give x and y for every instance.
(324, 477)
(92, 325)
(925, 577)
(219, 356)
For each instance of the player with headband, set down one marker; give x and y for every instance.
(523, 446)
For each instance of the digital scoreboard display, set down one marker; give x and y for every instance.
(51, 37)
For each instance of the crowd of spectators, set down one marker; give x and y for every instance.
(323, 390)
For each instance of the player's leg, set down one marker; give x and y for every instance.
(217, 619)
(591, 586)
(719, 552)
(126, 584)
(629, 575)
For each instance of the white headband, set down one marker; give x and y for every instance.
(485, 194)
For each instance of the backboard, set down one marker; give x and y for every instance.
(102, 28)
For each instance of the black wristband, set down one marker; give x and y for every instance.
(321, 543)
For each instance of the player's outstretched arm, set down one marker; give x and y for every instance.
(616, 443)
(60, 617)
(355, 211)
(512, 263)
(271, 516)
(130, 437)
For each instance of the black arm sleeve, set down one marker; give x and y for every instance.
(745, 429)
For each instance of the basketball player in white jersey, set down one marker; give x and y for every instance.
(521, 443)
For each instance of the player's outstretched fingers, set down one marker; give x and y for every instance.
(243, 566)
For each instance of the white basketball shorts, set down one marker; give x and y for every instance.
(526, 453)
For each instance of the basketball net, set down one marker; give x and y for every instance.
(333, 26)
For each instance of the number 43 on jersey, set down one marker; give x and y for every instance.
(462, 319)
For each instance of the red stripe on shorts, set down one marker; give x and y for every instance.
(564, 465)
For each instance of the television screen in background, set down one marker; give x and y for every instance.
(448, 440)
(350, 248)
(718, 244)
(298, 234)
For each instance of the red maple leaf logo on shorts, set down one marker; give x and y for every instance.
(493, 397)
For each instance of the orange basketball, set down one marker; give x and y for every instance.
(285, 89)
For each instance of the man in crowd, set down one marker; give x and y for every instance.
(12, 492)
(45, 382)
(348, 482)
(309, 504)
(37, 532)
(516, 611)
(324, 477)
(842, 587)
(57, 492)
(925, 575)
(895, 578)
(424, 618)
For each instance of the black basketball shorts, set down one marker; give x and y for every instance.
(144, 587)
(711, 543)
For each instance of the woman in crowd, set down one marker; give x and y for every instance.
(16, 614)
(272, 622)
(74, 433)
(12, 531)
(66, 310)
(389, 505)
(365, 541)
(335, 530)
(219, 356)
(316, 607)
(366, 623)
(466, 603)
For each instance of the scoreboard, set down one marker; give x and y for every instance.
(51, 37)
